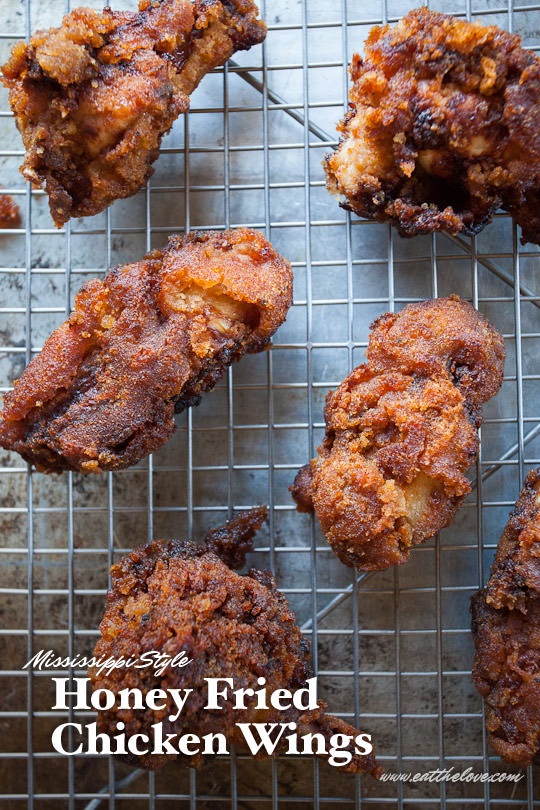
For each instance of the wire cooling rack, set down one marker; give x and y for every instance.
(393, 650)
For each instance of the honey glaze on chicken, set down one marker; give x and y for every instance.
(147, 340)
(174, 596)
(401, 431)
(443, 128)
(93, 98)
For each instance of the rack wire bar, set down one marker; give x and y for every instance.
(392, 649)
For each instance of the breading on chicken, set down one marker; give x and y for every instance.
(141, 344)
(515, 574)
(506, 628)
(176, 596)
(401, 431)
(443, 128)
(93, 98)
(10, 216)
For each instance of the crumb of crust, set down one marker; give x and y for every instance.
(10, 215)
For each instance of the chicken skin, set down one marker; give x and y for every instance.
(443, 128)
(141, 344)
(401, 431)
(176, 596)
(506, 628)
(93, 98)
(10, 216)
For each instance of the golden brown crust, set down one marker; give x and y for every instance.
(232, 541)
(438, 336)
(175, 596)
(148, 339)
(10, 216)
(506, 622)
(401, 430)
(506, 672)
(93, 98)
(443, 128)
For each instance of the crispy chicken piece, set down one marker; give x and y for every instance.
(141, 344)
(401, 430)
(515, 574)
(10, 216)
(93, 98)
(175, 596)
(444, 128)
(506, 628)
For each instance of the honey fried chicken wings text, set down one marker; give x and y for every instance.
(506, 622)
(443, 128)
(176, 596)
(142, 343)
(401, 431)
(93, 98)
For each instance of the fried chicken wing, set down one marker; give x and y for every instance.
(443, 128)
(10, 216)
(515, 574)
(142, 343)
(401, 431)
(93, 98)
(175, 596)
(506, 628)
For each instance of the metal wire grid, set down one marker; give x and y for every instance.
(392, 650)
